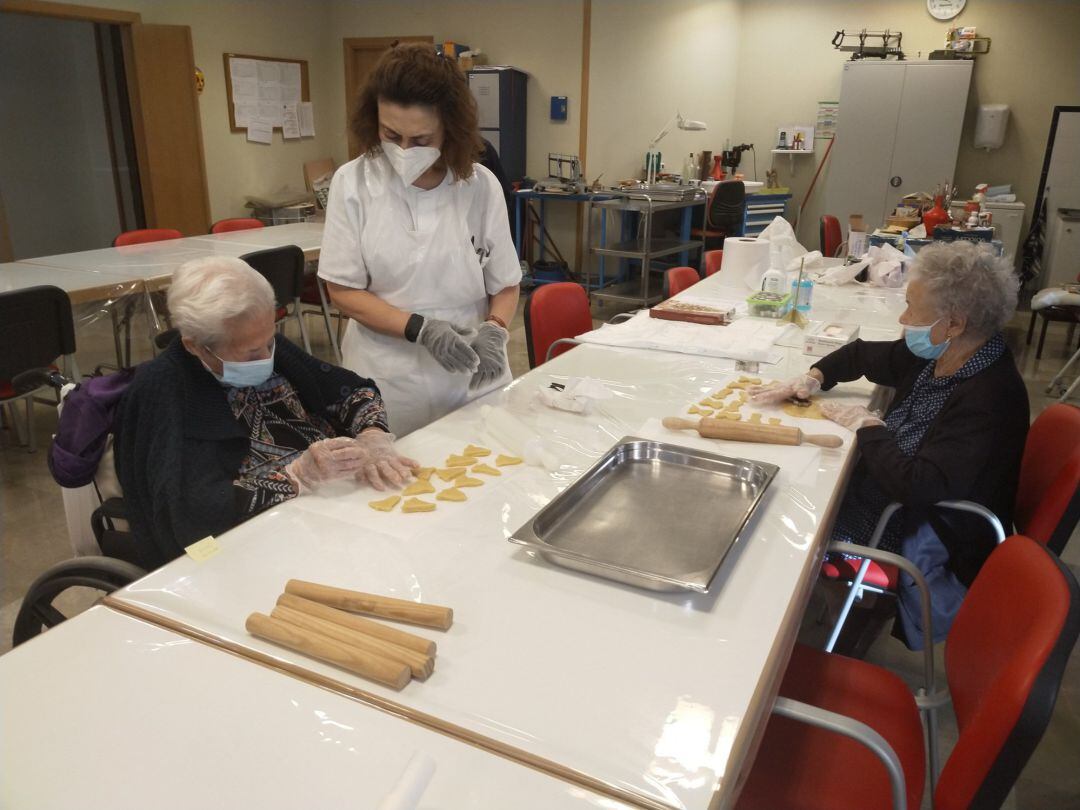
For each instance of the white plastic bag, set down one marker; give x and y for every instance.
(783, 246)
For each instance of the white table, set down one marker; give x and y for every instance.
(81, 287)
(305, 235)
(658, 697)
(148, 718)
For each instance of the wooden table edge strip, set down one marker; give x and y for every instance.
(430, 722)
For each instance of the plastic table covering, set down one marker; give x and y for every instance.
(185, 726)
(649, 698)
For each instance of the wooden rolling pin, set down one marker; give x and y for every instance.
(390, 673)
(386, 607)
(421, 666)
(744, 432)
(410, 641)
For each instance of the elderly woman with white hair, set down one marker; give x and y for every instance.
(232, 418)
(955, 429)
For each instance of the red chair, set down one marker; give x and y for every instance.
(831, 236)
(236, 224)
(554, 315)
(713, 260)
(141, 237)
(678, 279)
(1004, 659)
(1047, 505)
(725, 213)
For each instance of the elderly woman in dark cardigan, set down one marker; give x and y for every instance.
(232, 418)
(955, 429)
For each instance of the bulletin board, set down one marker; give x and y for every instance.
(263, 84)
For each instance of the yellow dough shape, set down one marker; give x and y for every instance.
(774, 420)
(476, 452)
(751, 380)
(506, 461)
(484, 469)
(451, 473)
(460, 461)
(465, 481)
(702, 411)
(386, 504)
(451, 494)
(733, 406)
(423, 473)
(755, 419)
(418, 487)
(811, 411)
(417, 505)
(737, 385)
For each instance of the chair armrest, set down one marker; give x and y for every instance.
(563, 341)
(36, 378)
(855, 730)
(906, 565)
(623, 316)
(977, 509)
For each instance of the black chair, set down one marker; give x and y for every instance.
(36, 328)
(725, 215)
(283, 267)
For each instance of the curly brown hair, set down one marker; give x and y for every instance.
(411, 74)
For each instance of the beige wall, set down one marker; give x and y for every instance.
(1033, 64)
(234, 167)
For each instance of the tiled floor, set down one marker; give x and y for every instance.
(33, 536)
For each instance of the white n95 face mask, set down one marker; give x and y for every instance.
(410, 163)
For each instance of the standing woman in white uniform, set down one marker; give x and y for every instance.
(416, 250)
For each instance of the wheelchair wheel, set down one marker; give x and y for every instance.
(39, 611)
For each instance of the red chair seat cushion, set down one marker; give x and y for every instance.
(883, 576)
(799, 766)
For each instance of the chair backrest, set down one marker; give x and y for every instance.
(283, 267)
(713, 260)
(830, 235)
(141, 237)
(36, 327)
(726, 207)
(678, 279)
(1004, 659)
(1047, 503)
(235, 224)
(552, 312)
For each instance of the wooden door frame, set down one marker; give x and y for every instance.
(70, 11)
(353, 44)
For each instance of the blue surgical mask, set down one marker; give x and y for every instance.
(243, 374)
(917, 339)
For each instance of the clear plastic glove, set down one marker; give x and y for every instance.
(852, 417)
(382, 465)
(449, 345)
(326, 460)
(803, 386)
(489, 345)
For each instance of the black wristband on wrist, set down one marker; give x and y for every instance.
(413, 327)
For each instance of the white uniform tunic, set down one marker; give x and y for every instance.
(439, 253)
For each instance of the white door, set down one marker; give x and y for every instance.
(861, 158)
(928, 128)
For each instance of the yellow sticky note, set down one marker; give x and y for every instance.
(451, 494)
(203, 549)
(386, 504)
(418, 487)
(506, 461)
(417, 505)
(475, 451)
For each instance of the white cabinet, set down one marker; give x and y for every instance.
(898, 133)
(1008, 219)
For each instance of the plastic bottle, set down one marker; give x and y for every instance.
(773, 281)
(802, 291)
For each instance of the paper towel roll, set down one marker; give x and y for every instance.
(745, 261)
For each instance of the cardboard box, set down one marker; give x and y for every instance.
(824, 337)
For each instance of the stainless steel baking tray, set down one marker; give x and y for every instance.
(650, 514)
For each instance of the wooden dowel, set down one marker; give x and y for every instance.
(386, 607)
(419, 665)
(393, 674)
(409, 641)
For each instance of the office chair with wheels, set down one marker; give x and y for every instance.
(236, 224)
(725, 214)
(36, 328)
(283, 267)
(845, 733)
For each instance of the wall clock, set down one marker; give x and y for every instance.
(945, 9)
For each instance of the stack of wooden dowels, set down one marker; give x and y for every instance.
(322, 622)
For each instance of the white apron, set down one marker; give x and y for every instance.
(436, 274)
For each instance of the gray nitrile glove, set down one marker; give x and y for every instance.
(449, 345)
(489, 346)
